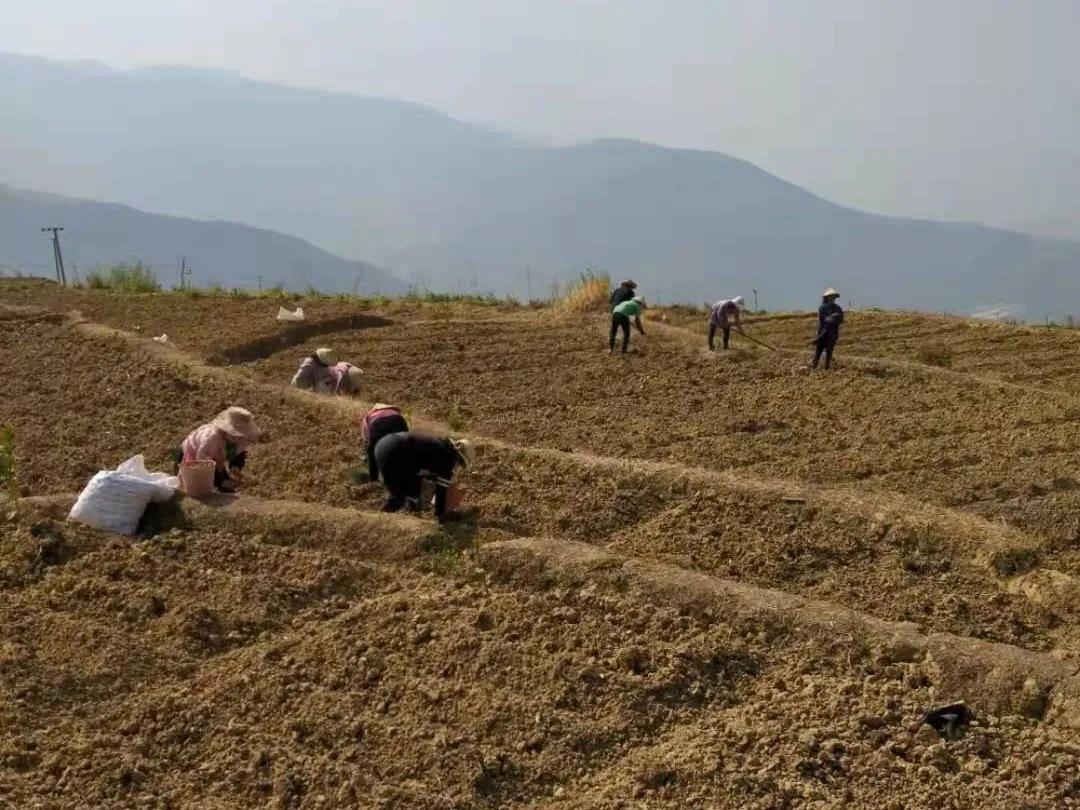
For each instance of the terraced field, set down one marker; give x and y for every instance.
(684, 579)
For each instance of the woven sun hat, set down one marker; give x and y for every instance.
(237, 423)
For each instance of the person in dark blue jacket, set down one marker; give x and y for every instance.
(830, 316)
(406, 459)
(624, 292)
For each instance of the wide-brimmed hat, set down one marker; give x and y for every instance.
(325, 355)
(466, 453)
(830, 293)
(640, 299)
(629, 283)
(237, 423)
(382, 406)
(738, 301)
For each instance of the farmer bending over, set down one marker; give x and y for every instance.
(723, 315)
(620, 319)
(379, 422)
(404, 460)
(225, 441)
(314, 373)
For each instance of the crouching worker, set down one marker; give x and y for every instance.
(314, 373)
(723, 316)
(620, 319)
(405, 459)
(345, 378)
(225, 441)
(378, 423)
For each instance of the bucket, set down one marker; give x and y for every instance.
(197, 478)
(455, 494)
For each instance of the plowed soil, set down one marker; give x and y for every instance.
(286, 656)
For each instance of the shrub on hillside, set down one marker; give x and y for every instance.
(936, 353)
(123, 277)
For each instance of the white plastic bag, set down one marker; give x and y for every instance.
(284, 314)
(115, 500)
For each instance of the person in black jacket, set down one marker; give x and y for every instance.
(830, 316)
(624, 292)
(405, 459)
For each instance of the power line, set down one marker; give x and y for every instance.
(58, 257)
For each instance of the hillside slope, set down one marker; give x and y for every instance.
(457, 205)
(217, 252)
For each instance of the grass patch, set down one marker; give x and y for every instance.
(124, 278)
(455, 418)
(591, 292)
(7, 460)
(936, 353)
(1012, 562)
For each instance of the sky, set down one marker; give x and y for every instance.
(949, 109)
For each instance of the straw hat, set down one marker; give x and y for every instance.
(381, 406)
(738, 301)
(640, 300)
(325, 355)
(830, 293)
(237, 423)
(466, 453)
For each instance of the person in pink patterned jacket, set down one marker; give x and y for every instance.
(225, 441)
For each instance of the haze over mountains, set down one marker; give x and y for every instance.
(456, 206)
(221, 253)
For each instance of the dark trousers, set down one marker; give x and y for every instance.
(402, 481)
(712, 334)
(619, 321)
(383, 426)
(825, 345)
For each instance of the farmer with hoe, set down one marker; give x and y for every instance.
(830, 316)
(405, 460)
(378, 423)
(225, 441)
(624, 292)
(724, 315)
(314, 373)
(620, 319)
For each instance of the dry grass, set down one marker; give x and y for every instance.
(935, 353)
(589, 293)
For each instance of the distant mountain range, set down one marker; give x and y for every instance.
(224, 253)
(453, 205)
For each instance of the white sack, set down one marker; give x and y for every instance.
(284, 314)
(115, 500)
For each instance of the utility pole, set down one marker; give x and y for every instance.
(184, 271)
(756, 309)
(260, 284)
(58, 257)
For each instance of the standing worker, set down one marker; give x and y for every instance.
(830, 316)
(624, 292)
(620, 319)
(405, 459)
(379, 422)
(723, 316)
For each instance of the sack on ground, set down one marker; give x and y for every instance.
(284, 314)
(114, 500)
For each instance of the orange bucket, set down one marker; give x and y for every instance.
(197, 478)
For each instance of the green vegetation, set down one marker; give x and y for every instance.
(124, 278)
(7, 460)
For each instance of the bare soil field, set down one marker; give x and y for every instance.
(294, 649)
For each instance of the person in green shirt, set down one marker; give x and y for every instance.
(620, 319)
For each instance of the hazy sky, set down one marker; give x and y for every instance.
(962, 109)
